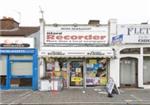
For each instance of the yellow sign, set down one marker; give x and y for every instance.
(92, 61)
(103, 80)
(76, 79)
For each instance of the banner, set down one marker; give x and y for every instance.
(76, 35)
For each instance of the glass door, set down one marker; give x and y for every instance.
(76, 73)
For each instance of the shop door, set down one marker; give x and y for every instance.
(76, 73)
(21, 71)
(128, 72)
(146, 70)
(3, 71)
(21, 74)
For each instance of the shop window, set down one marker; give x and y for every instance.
(130, 51)
(73, 74)
(146, 50)
(146, 70)
(96, 73)
(56, 68)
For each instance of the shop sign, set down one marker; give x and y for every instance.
(76, 79)
(17, 42)
(76, 35)
(76, 53)
(96, 53)
(56, 53)
(117, 39)
(135, 33)
(16, 51)
(100, 53)
(112, 86)
(45, 53)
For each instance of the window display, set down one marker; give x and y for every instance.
(96, 73)
(56, 68)
(75, 71)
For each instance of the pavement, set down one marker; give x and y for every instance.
(89, 96)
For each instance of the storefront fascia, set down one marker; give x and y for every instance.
(142, 68)
(19, 63)
(115, 63)
(132, 36)
(77, 52)
(72, 53)
(9, 61)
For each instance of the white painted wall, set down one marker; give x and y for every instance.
(140, 71)
(41, 67)
(114, 71)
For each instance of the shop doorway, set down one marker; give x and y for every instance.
(146, 70)
(128, 72)
(76, 78)
(21, 73)
(3, 71)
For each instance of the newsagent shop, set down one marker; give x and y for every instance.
(77, 55)
(19, 63)
(132, 45)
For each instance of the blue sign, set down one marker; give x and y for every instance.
(17, 51)
(117, 39)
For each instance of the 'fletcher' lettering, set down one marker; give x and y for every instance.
(138, 31)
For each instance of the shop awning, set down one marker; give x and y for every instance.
(77, 52)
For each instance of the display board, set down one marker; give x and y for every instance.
(111, 87)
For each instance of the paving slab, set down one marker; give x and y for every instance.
(75, 97)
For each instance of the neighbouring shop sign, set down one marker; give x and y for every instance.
(134, 33)
(79, 34)
(10, 42)
(117, 39)
(17, 51)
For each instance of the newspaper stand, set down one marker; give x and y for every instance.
(111, 88)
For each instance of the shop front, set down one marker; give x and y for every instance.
(18, 62)
(77, 55)
(132, 55)
(78, 68)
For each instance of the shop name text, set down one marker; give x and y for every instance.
(139, 31)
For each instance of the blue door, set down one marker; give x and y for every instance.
(22, 68)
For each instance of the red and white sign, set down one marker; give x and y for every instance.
(84, 34)
(16, 42)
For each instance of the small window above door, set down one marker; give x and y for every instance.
(130, 51)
